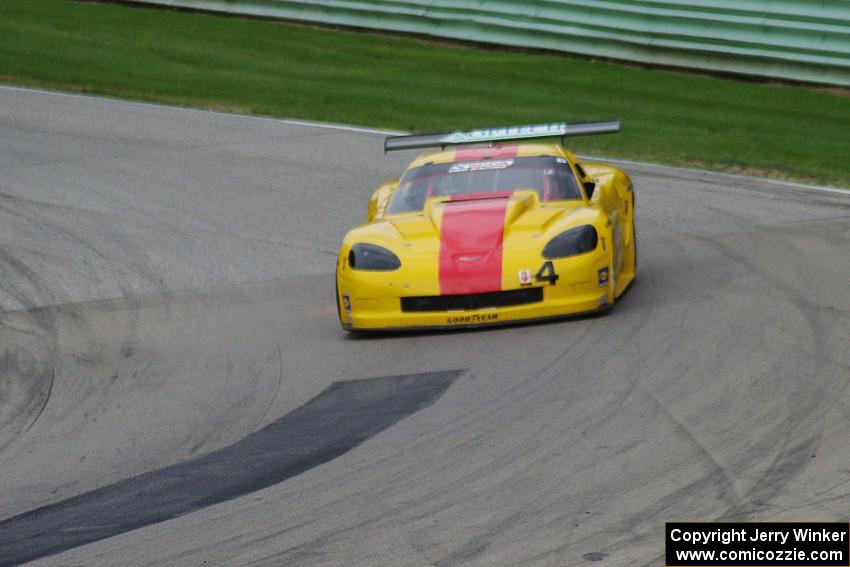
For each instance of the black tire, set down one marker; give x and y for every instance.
(634, 236)
(336, 296)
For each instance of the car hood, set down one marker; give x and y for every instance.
(479, 222)
(467, 238)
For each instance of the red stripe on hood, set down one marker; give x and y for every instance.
(488, 152)
(471, 244)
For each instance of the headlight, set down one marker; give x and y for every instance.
(571, 243)
(371, 257)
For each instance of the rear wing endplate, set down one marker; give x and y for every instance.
(553, 130)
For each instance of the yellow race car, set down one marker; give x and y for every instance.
(492, 228)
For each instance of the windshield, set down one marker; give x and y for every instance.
(550, 176)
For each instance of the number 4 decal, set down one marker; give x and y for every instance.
(546, 274)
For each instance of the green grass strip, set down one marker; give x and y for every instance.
(273, 68)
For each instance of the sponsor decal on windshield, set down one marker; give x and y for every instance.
(481, 165)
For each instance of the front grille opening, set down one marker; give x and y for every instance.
(473, 301)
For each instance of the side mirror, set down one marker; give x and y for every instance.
(589, 188)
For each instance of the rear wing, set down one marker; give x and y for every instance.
(554, 130)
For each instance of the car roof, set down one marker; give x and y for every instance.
(504, 151)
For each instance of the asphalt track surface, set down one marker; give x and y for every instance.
(166, 286)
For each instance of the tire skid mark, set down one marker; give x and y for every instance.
(27, 352)
(651, 272)
(810, 404)
(800, 436)
(742, 505)
(129, 251)
(715, 472)
(46, 313)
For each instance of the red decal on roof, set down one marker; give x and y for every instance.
(471, 244)
(484, 153)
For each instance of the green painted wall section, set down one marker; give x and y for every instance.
(788, 39)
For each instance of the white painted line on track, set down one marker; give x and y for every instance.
(379, 132)
(288, 121)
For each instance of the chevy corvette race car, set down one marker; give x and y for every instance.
(496, 232)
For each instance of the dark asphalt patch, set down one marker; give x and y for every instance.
(342, 417)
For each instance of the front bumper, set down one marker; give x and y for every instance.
(469, 319)
(372, 301)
